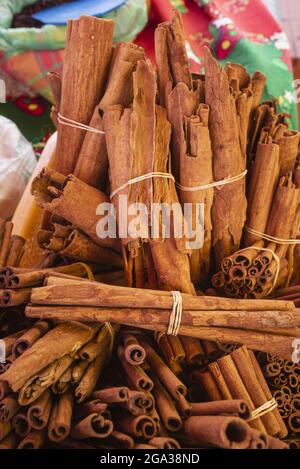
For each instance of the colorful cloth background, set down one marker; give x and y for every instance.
(241, 31)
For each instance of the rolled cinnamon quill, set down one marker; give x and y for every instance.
(26, 340)
(235, 407)
(20, 424)
(220, 431)
(8, 408)
(140, 426)
(93, 426)
(34, 440)
(39, 412)
(70, 198)
(112, 395)
(162, 442)
(135, 375)
(60, 419)
(133, 352)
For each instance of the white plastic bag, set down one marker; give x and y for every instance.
(17, 162)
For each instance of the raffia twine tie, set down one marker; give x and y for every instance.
(263, 409)
(77, 125)
(273, 239)
(144, 177)
(211, 185)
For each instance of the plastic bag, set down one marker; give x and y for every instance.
(17, 162)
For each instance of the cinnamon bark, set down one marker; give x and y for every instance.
(87, 73)
(63, 339)
(236, 407)
(229, 207)
(223, 432)
(73, 200)
(39, 412)
(60, 418)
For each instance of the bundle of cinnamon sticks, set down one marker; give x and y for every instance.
(150, 138)
(56, 393)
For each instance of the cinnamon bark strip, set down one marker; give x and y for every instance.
(120, 440)
(8, 408)
(173, 385)
(100, 294)
(87, 73)
(219, 380)
(5, 236)
(5, 429)
(98, 346)
(208, 384)
(229, 206)
(286, 201)
(93, 426)
(11, 339)
(236, 407)
(289, 149)
(77, 246)
(241, 85)
(92, 163)
(63, 339)
(73, 200)
(16, 249)
(20, 424)
(221, 431)
(112, 395)
(162, 442)
(119, 88)
(9, 442)
(34, 387)
(39, 411)
(166, 408)
(60, 419)
(35, 277)
(258, 84)
(89, 380)
(34, 440)
(26, 340)
(263, 180)
(91, 407)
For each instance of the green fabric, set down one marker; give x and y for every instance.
(129, 19)
(34, 128)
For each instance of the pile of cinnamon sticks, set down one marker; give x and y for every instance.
(54, 393)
